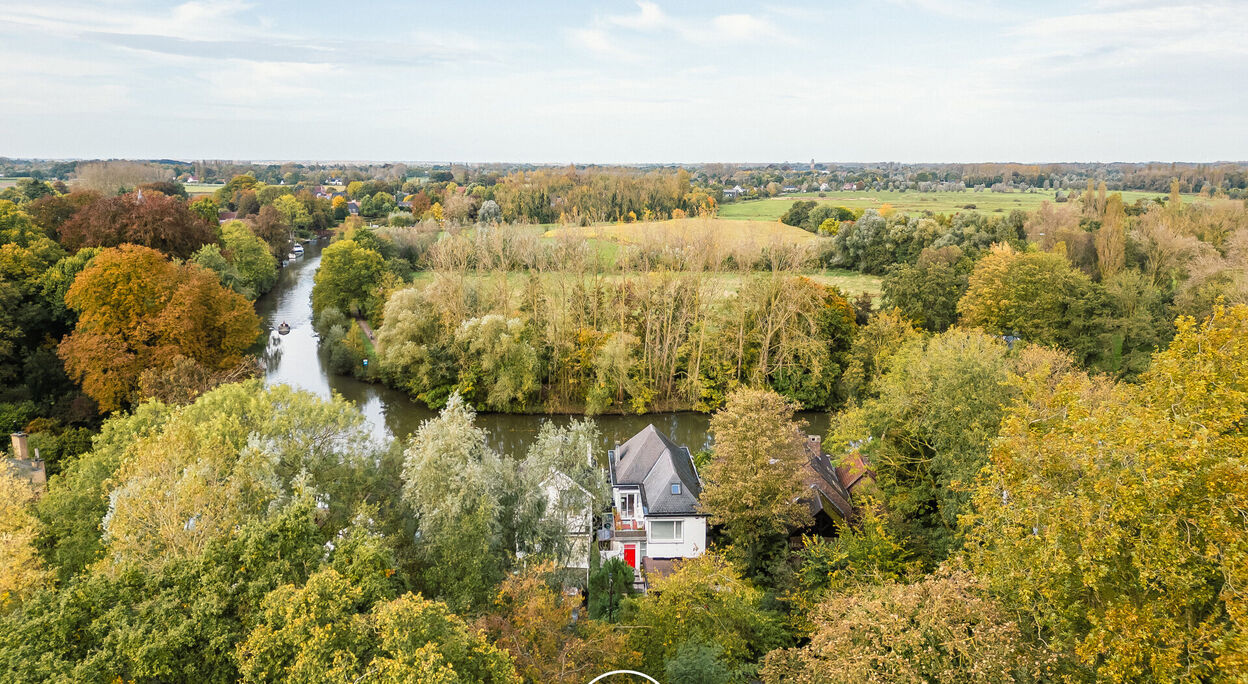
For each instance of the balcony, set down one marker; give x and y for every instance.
(627, 529)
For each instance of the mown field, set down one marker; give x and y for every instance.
(936, 202)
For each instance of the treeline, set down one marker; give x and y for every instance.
(106, 300)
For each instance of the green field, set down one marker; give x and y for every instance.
(202, 188)
(935, 202)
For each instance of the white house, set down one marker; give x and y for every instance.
(654, 490)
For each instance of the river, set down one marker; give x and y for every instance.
(294, 359)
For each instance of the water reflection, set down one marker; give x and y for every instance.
(294, 359)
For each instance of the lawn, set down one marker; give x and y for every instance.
(936, 202)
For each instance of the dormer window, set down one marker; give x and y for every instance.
(675, 487)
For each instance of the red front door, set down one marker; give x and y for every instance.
(630, 555)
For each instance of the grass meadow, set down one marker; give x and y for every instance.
(936, 202)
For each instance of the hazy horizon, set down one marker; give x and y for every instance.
(626, 82)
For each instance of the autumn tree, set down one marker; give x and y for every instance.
(537, 625)
(158, 221)
(944, 628)
(1111, 240)
(1110, 517)
(22, 570)
(138, 310)
(754, 480)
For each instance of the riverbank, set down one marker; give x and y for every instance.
(295, 359)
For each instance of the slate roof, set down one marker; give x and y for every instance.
(833, 484)
(651, 461)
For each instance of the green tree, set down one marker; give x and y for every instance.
(927, 432)
(348, 279)
(928, 291)
(609, 585)
(754, 482)
(232, 456)
(450, 480)
(1034, 295)
(705, 601)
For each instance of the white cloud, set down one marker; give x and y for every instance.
(649, 18)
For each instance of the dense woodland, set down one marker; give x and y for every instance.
(1054, 405)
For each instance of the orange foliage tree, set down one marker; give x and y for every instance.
(138, 310)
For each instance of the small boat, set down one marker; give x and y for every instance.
(283, 328)
(292, 256)
(298, 249)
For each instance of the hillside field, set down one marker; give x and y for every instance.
(936, 202)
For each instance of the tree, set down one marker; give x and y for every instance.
(292, 210)
(450, 481)
(697, 663)
(1033, 295)
(205, 208)
(229, 457)
(538, 627)
(927, 432)
(498, 367)
(1111, 240)
(928, 292)
(250, 258)
(609, 585)
(21, 569)
(78, 497)
(1110, 517)
(157, 221)
(943, 628)
(705, 601)
(754, 482)
(488, 214)
(137, 310)
(269, 225)
(348, 279)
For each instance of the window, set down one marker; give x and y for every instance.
(666, 530)
(675, 487)
(628, 505)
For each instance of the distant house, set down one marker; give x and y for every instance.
(23, 466)
(654, 518)
(824, 187)
(790, 188)
(223, 216)
(849, 186)
(734, 192)
(353, 207)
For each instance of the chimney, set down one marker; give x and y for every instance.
(21, 450)
(816, 442)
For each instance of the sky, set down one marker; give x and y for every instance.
(626, 82)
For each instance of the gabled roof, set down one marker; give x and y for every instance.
(833, 485)
(652, 462)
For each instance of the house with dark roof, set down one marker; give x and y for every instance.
(655, 516)
(831, 486)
